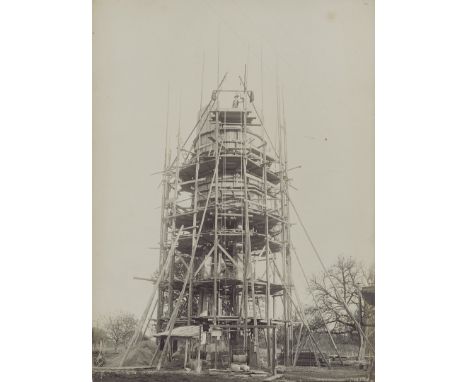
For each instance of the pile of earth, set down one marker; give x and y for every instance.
(140, 355)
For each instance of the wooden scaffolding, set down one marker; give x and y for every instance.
(225, 251)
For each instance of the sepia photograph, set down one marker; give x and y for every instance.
(212, 190)
(233, 190)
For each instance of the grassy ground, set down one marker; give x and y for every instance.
(298, 374)
(324, 374)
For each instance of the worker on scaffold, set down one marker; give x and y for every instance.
(235, 102)
(237, 99)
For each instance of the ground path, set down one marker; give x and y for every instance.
(298, 374)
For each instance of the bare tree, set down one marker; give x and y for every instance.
(332, 290)
(99, 335)
(120, 328)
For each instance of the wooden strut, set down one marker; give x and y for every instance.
(144, 316)
(204, 261)
(302, 316)
(170, 324)
(299, 340)
(228, 256)
(318, 308)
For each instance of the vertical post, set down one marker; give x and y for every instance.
(246, 287)
(362, 343)
(286, 212)
(273, 261)
(273, 363)
(255, 330)
(216, 353)
(163, 225)
(215, 252)
(162, 249)
(283, 227)
(246, 222)
(186, 353)
(194, 223)
(199, 348)
(217, 73)
(280, 169)
(229, 347)
(201, 86)
(267, 251)
(251, 262)
(261, 86)
(174, 212)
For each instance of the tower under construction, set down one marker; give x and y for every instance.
(224, 278)
(225, 232)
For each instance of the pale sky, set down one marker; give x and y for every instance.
(325, 55)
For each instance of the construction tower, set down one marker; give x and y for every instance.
(225, 231)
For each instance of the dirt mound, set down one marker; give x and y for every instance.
(138, 356)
